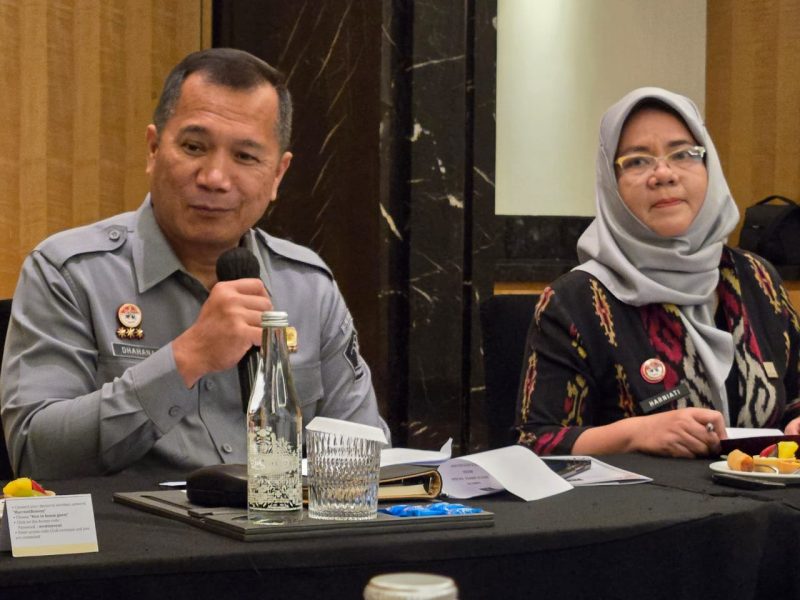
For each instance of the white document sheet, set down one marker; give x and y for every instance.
(514, 468)
(736, 433)
(409, 456)
(601, 473)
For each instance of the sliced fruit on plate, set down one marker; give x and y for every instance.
(773, 464)
(24, 487)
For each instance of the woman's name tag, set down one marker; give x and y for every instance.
(653, 403)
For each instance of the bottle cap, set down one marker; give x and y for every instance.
(411, 586)
(274, 318)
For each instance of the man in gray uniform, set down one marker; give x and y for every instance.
(122, 346)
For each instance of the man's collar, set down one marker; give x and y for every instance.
(153, 257)
(250, 241)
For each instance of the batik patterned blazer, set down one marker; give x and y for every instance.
(586, 353)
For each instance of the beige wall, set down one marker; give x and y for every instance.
(80, 79)
(750, 75)
(560, 65)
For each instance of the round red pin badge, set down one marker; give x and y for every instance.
(653, 370)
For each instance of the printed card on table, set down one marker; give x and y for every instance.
(46, 525)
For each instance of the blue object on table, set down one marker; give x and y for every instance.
(429, 510)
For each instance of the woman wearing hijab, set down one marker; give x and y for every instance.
(663, 336)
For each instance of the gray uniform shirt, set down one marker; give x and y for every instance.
(77, 399)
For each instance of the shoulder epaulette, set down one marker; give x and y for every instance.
(103, 236)
(295, 252)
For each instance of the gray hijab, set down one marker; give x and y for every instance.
(640, 267)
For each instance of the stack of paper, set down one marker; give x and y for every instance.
(601, 473)
(514, 469)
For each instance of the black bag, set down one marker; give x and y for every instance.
(773, 231)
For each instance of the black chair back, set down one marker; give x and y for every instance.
(504, 327)
(6, 472)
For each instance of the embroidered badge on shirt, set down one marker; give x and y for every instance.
(130, 318)
(653, 370)
(351, 354)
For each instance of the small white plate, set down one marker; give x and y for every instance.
(722, 467)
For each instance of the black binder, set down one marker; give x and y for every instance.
(233, 522)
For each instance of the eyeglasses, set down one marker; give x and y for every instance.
(682, 158)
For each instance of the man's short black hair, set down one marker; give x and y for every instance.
(228, 67)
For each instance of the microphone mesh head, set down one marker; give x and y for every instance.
(237, 263)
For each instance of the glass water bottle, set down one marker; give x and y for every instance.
(274, 430)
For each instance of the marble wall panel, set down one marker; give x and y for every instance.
(393, 183)
(396, 133)
(437, 221)
(487, 246)
(330, 52)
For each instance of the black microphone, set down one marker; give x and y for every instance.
(240, 263)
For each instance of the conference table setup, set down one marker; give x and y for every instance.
(682, 535)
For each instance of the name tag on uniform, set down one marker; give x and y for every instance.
(652, 403)
(131, 351)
